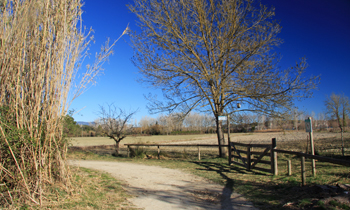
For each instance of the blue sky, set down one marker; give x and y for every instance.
(316, 29)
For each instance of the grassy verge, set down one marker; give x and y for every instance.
(92, 190)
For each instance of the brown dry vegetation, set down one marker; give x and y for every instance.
(42, 46)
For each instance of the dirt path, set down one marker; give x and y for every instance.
(160, 188)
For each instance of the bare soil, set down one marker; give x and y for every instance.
(160, 188)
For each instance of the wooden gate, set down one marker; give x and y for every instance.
(250, 155)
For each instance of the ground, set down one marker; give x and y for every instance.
(160, 188)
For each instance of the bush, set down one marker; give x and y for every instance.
(138, 152)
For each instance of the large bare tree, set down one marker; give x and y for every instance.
(115, 123)
(211, 54)
(338, 107)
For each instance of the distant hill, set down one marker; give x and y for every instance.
(85, 123)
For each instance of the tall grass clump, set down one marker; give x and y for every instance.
(42, 47)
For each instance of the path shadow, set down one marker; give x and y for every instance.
(228, 194)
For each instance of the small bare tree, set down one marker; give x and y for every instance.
(115, 123)
(338, 108)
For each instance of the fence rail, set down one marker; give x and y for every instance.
(247, 156)
(174, 145)
(250, 162)
(314, 157)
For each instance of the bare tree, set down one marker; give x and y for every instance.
(115, 123)
(193, 122)
(208, 122)
(323, 123)
(338, 108)
(210, 54)
(167, 122)
(261, 122)
(146, 122)
(297, 117)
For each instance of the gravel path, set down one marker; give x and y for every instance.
(160, 188)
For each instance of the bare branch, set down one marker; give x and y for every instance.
(115, 122)
(210, 55)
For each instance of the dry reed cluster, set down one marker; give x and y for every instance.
(42, 47)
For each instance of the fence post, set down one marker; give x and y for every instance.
(229, 141)
(158, 151)
(312, 147)
(313, 153)
(199, 153)
(128, 151)
(303, 177)
(274, 164)
(248, 158)
(289, 167)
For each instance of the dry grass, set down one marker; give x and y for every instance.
(42, 47)
(92, 190)
(294, 141)
(263, 189)
(96, 141)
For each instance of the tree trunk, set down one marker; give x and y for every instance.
(117, 147)
(221, 139)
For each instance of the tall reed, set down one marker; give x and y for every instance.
(42, 47)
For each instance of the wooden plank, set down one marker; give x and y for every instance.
(289, 167)
(259, 153)
(316, 157)
(303, 176)
(261, 156)
(158, 151)
(177, 145)
(239, 144)
(240, 157)
(241, 151)
(275, 163)
(273, 157)
(251, 145)
(248, 158)
(199, 153)
(261, 145)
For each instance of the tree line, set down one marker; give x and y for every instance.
(334, 118)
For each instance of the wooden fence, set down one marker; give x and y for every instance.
(252, 155)
(173, 145)
(313, 157)
(246, 156)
